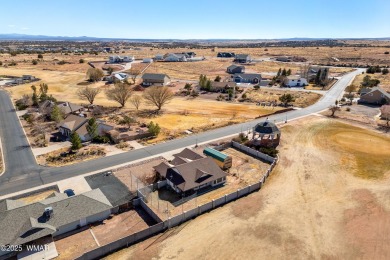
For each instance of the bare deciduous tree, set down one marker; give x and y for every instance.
(158, 96)
(351, 88)
(334, 109)
(120, 93)
(133, 74)
(88, 93)
(136, 101)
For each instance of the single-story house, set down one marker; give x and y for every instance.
(117, 58)
(226, 55)
(159, 57)
(222, 86)
(56, 215)
(28, 77)
(147, 60)
(377, 96)
(175, 57)
(246, 78)
(78, 124)
(283, 59)
(242, 58)
(233, 69)
(149, 79)
(185, 175)
(295, 81)
(66, 107)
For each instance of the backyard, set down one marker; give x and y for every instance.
(320, 199)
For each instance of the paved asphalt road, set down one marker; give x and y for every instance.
(23, 173)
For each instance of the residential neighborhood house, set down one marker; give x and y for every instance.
(67, 108)
(295, 81)
(233, 69)
(78, 124)
(242, 58)
(21, 224)
(246, 78)
(149, 79)
(377, 96)
(118, 59)
(226, 55)
(189, 172)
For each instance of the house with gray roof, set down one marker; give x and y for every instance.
(185, 175)
(252, 78)
(233, 69)
(149, 79)
(21, 224)
(242, 58)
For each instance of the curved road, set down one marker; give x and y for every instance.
(22, 172)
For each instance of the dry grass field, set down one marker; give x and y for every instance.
(385, 80)
(302, 99)
(328, 198)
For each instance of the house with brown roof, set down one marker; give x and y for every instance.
(66, 107)
(189, 172)
(222, 86)
(78, 124)
(377, 96)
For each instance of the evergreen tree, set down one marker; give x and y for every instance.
(288, 72)
(284, 72)
(76, 141)
(154, 129)
(56, 114)
(279, 72)
(318, 77)
(208, 85)
(217, 79)
(34, 97)
(92, 128)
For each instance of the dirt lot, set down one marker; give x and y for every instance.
(319, 203)
(75, 245)
(122, 225)
(302, 99)
(358, 113)
(138, 176)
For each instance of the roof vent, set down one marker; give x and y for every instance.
(48, 212)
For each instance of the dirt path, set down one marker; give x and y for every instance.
(319, 203)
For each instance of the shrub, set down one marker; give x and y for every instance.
(61, 62)
(81, 61)
(1, 63)
(386, 52)
(256, 87)
(102, 139)
(244, 96)
(34, 62)
(40, 56)
(348, 109)
(269, 151)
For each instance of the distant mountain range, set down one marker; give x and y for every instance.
(26, 37)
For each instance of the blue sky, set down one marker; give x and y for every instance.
(200, 19)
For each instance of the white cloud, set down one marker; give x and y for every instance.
(11, 25)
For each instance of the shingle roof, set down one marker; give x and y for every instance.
(72, 122)
(266, 127)
(216, 84)
(154, 76)
(27, 223)
(192, 174)
(241, 56)
(232, 67)
(381, 90)
(69, 107)
(189, 154)
(247, 76)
